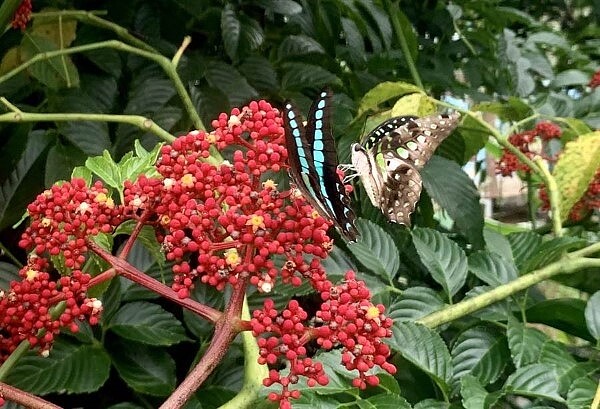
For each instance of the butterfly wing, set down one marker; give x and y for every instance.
(313, 164)
(385, 129)
(401, 153)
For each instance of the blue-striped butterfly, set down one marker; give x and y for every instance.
(313, 163)
(389, 160)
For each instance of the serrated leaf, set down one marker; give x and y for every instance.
(566, 314)
(524, 245)
(147, 323)
(570, 77)
(287, 7)
(81, 172)
(230, 30)
(145, 369)
(536, 380)
(384, 401)
(60, 162)
(227, 79)
(425, 349)
(592, 315)
(550, 251)
(37, 142)
(295, 45)
(383, 92)
(415, 303)
(444, 259)
(376, 250)
(432, 404)
(70, 367)
(482, 352)
(105, 167)
(497, 243)
(449, 186)
(296, 75)
(567, 368)
(581, 393)
(472, 392)
(416, 104)
(525, 343)
(575, 169)
(260, 73)
(8, 272)
(57, 72)
(491, 268)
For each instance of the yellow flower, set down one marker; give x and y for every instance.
(269, 184)
(257, 222)
(211, 138)
(31, 274)
(188, 180)
(314, 214)
(46, 222)
(232, 258)
(372, 312)
(103, 198)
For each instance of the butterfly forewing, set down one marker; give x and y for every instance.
(313, 163)
(385, 129)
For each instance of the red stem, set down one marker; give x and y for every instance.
(135, 233)
(130, 272)
(24, 398)
(225, 332)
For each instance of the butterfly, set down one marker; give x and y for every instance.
(313, 163)
(389, 161)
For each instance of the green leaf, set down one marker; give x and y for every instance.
(229, 81)
(384, 401)
(449, 186)
(383, 92)
(571, 77)
(425, 349)
(549, 38)
(444, 259)
(260, 73)
(524, 245)
(105, 167)
(145, 369)
(37, 142)
(287, 7)
(482, 352)
(375, 249)
(58, 72)
(230, 30)
(567, 368)
(566, 314)
(297, 75)
(525, 343)
(581, 393)
(536, 380)
(491, 268)
(472, 392)
(432, 404)
(592, 315)
(550, 251)
(415, 303)
(497, 243)
(575, 169)
(61, 161)
(70, 367)
(147, 237)
(8, 272)
(499, 311)
(147, 323)
(295, 45)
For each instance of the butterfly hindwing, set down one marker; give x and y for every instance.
(394, 158)
(313, 163)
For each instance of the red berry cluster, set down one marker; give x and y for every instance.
(222, 222)
(346, 318)
(595, 80)
(26, 309)
(63, 217)
(531, 143)
(589, 201)
(22, 15)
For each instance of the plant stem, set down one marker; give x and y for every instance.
(530, 204)
(463, 308)
(225, 333)
(24, 398)
(91, 17)
(13, 358)
(553, 196)
(586, 251)
(518, 124)
(254, 372)
(131, 273)
(145, 124)
(596, 402)
(161, 60)
(393, 10)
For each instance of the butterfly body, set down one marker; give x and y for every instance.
(313, 163)
(389, 162)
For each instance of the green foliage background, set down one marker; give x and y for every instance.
(510, 58)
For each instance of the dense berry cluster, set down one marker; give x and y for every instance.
(595, 80)
(63, 217)
(222, 222)
(346, 319)
(22, 15)
(26, 308)
(531, 143)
